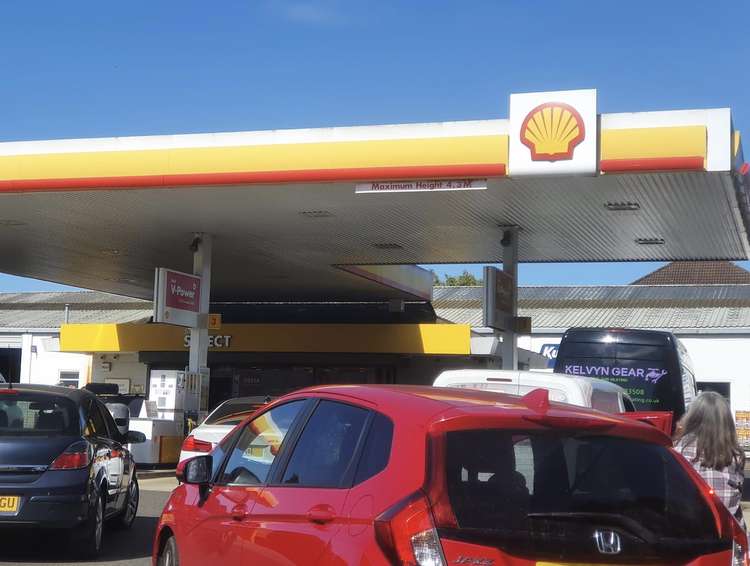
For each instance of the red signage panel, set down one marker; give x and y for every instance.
(183, 291)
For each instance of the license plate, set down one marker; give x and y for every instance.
(8, 504)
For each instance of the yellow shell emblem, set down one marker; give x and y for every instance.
(552, 131)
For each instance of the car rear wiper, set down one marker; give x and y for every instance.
(612, 518)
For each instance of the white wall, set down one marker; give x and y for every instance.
(718, 358)
(42, 361)
(123, 366)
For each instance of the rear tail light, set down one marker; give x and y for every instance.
(726, 525)
(739, 550)
(192, 444)
(406, 533)
(75, 457)
(739, 543)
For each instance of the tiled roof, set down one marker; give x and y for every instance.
(68, 297)
(47, 319)
(710, 307)
(47, 310)
(697, 273)
(674, 307)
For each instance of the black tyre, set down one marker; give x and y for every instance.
(168, 555)
(91, 534)
(125, 518)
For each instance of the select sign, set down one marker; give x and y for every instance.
(214, 341)
(421, 186)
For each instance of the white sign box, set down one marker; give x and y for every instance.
(421, 186)
(553, 133)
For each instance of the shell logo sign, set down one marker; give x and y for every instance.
(552, 131)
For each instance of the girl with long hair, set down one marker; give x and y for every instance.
(707, 438)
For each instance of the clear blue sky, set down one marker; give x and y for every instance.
(91, 68)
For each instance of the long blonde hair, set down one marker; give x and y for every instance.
(709, 424)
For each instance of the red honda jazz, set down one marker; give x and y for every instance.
(419, 476)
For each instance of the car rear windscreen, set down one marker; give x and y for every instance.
(232, 412)
(42, 414)
(546, 494)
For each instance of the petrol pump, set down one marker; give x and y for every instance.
(169, 413)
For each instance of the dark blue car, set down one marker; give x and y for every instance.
(64, 464)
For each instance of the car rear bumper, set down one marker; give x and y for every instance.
(48, 511)
(57, 499)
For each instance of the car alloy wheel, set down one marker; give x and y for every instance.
(131, 505)
(169, 555)
(98, 525)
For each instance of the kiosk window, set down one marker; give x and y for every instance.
(69, 379)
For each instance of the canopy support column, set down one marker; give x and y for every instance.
(202, 251)
(510, 268)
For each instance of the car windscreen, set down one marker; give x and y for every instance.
(547, 493)
(41, 414)
(231, 412)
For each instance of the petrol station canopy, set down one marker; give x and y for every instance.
(294, 214)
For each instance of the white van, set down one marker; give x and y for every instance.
(582, 391)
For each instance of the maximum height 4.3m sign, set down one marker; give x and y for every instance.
(177, 297)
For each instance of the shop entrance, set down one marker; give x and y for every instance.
(10, 364)
(228, 381)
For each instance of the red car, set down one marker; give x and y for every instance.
(419, 476)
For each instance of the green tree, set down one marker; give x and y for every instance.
(466, 279)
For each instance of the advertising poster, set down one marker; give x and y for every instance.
(647, 383)
(742, 422)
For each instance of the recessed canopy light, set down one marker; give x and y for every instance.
(316, 213)
(649, 241)
(622, 206)
(110, 252)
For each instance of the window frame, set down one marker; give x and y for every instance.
(109, 421)
(94, 406)
(367, 433)
(627, 404)
(61, 379)
(303, 415)
(347, 481)
(289, 444)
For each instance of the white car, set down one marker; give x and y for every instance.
(574, 390)
(218, 424)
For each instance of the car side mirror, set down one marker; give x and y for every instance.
(195, 471)
(135, 437)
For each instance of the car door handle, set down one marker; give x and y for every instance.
(321, 514)
(239, 513)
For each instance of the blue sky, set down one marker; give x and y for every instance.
(92, 68)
